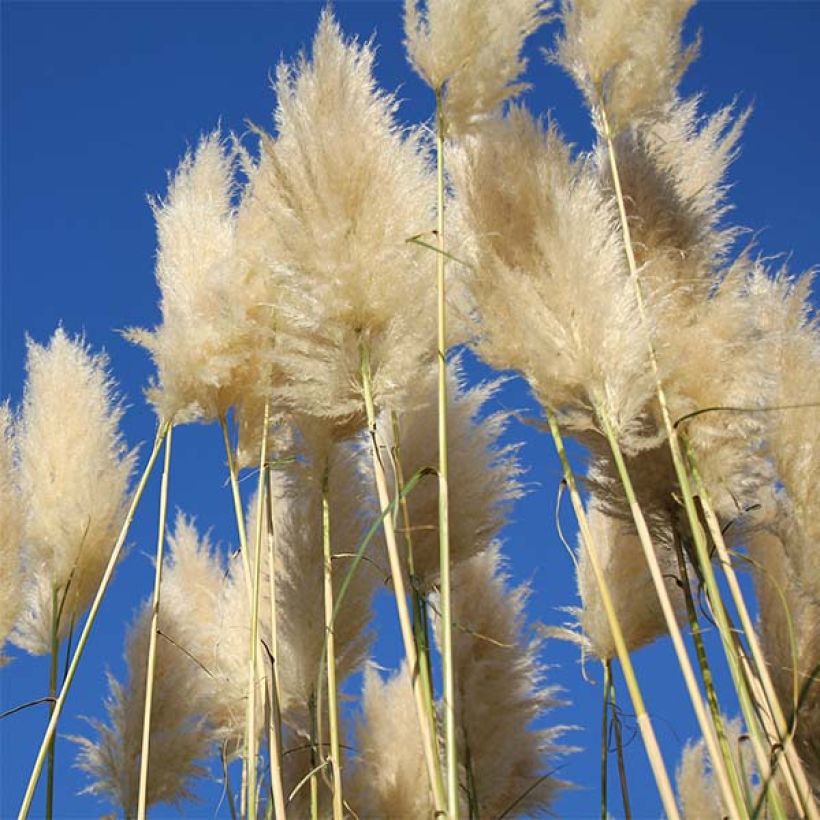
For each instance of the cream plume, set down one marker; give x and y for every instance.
(500, 692)
(212, 348)
(74, 471)
(698, 792)
(12, 521)
(549, 277)
(625, 55)
(472, 50)
(296, 502)
(334, 198)
(179, 736)
(630, 585)
(483, 472)
(390, 777)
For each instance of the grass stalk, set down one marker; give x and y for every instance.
(152, 633)
(253, 661)
(450, 745)
(332, 696)
(671, 620)
(420, 621)
(314, 761)
(771, 713)
(233, 474)
(605, 738)
(25, 806)
(397, 575)
(650, 741)
(735, 776)
(619, 745)
(52, 692)
(275, 719)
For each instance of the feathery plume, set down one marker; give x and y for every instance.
(631, 587)
(296, 501)
(698, 794)
(673, 176)
(74, 471)
(785, 548)
(390, 775)
(500, 692)
(625, 55)
(483, 473)
(179, 737)
(212, 348)
(549, 276)
(335, 196)
(471, 49)
(12, 521)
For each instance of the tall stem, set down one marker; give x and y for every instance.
(706, 674)
(653, 751)
(152, 634)
(25, 806)
(397, 575)
(253, 661)
(451, 749)
(605, 739)
(619, 744)
(332, 702)
(420, 633)
(275, 721)
(771, 714)
(52, 691)
(237, 501)
(670, 619)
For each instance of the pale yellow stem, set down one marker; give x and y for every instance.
(253, 662)
(152, 634)
(670, 618)
(773, 719)
(644, 723)
(25, 806)
(332, 702)
(397, 575)
(275, 722)
(237, 502)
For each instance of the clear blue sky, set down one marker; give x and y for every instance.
(100, 99)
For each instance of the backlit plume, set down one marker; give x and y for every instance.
(74, 472)
(625, 55)
(471, 49)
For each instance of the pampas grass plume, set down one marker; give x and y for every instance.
(472, 48)
(626, 55)
(74, 473)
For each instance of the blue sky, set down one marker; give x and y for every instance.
(100, 99)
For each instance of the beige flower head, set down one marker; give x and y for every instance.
(74, 471)
(471, 50)
(626, 56)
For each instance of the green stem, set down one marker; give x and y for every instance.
(253, 661)
(332, 702)
(400, 593)
(52, 691)
(619, 746)
(706, 674)
(451, 748)
(25, 806)
(650, 741)
(314, 762)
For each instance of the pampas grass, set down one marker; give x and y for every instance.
(313, 283)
